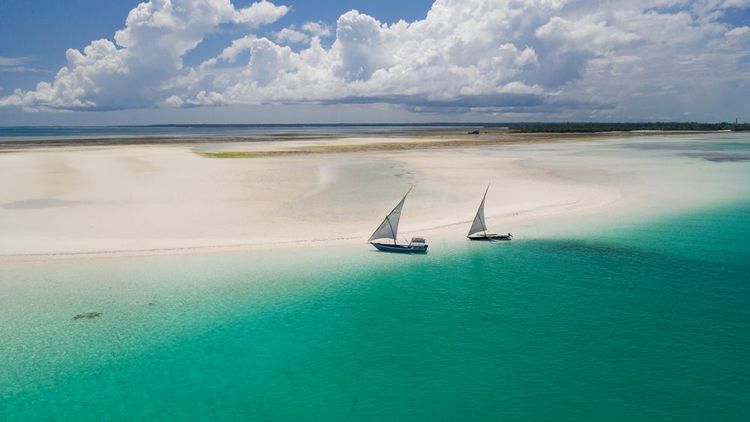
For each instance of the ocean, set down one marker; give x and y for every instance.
(52, 133)
(641, 320)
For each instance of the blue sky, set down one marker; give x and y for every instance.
(454, 60)
(43, 29)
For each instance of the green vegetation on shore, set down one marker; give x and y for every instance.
(589, 127)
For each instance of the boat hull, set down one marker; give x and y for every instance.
(407, 249)
(491, 237)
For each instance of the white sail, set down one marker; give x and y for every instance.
(479, 225)
(388, 229)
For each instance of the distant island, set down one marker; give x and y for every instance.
(591, 127)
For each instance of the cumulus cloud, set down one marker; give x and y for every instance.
(317, 29)
(291, 35)
(129, 72)
(306, 33)
(567, 57)
(260, 13)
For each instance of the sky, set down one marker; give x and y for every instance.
(92, 62)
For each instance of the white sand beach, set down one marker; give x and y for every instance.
(144, 199)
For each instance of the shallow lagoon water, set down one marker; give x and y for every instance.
(647, 321)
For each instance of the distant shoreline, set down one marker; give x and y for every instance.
(23, 136)
(457, 136)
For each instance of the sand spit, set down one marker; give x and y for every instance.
(155, 199)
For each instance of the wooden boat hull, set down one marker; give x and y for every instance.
(407, 249)
(491, 237)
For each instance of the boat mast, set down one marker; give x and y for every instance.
(399, 206)
(483, 198)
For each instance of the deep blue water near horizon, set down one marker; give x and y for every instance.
(647, 321)
(8, 133)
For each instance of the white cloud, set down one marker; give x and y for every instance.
(260, 13)
(13, 61)
(17, 65)
(291, 35)
(587, 34)
(317, 29)
(303, 34)
(737, 38)
(238, 46)
(567, 57)
(21, 69)
(129, 72)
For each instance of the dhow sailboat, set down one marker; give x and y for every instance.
(388, 229)
(478, 230)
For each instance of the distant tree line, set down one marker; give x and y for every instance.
(620, 127)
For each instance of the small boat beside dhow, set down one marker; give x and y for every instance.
(478, 230)
(388, 229)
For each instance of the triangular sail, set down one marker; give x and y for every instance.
(479, 225)
(388, 229)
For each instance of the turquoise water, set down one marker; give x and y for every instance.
(649, 321)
